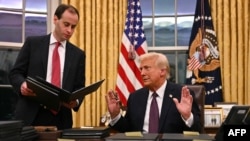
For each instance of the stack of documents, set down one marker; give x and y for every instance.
(29, 133)
(10, 130)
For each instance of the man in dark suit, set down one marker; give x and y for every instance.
(177, 111)
(35, 59)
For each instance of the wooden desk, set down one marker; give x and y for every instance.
(211, 130)
(89, 139)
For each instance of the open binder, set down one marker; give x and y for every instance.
(50, 95)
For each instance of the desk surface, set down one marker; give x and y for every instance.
(103, 139)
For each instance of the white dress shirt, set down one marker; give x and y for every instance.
(61, 51)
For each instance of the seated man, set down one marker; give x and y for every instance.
(174, 111)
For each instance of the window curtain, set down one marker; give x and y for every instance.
(99, 34)
(232, 26)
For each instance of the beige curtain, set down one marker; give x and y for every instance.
(99, 35)
(232, 25)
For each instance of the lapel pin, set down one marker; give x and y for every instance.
(170, 95)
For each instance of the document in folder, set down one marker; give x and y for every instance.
(51, 96)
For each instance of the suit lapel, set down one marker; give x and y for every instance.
(142, 109)
(167, 101)
(68, 61)
(44, 46)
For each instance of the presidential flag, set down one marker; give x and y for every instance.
(132, 46)
(203, 63)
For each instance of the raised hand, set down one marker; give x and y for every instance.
(184, 106)
(113, 102)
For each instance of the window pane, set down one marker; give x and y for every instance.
(35, 24)
(182, 63)
(184, 27)
(172, 59)
(165, 7)
(147, 24)
(146, 7)
(11, 26)
(15, 4)
(165, 31)
(177, 62)
(36, 5)
(185, 7)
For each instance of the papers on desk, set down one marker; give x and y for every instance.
(125, 137)
(60, 139)
(183, 137)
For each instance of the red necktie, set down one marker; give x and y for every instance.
(56, 77)
(56, 73)
(153, 115)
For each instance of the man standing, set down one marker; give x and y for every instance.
(36, 58)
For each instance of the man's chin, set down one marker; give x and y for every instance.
(146, 83)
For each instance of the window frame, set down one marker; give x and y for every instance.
(169, 49)
(51, 7)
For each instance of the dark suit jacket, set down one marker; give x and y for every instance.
(170, 118)
(32, 61)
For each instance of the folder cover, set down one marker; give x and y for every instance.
(50, 96)
(84, 133)
(123, 137)
(182, 137)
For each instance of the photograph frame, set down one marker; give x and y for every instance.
(226, 106)
(213, 117)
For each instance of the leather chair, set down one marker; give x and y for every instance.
(199, 91)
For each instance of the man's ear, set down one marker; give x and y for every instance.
(55, 19)
(163, 72)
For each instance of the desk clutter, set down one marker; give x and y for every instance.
(86, 133)
(15, 131)
(160, 137)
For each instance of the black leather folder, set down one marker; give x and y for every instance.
(123, 137)
(51, 96)
(182, 137)
(86, 133)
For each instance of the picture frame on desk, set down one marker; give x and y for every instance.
(213, 117)
(226, 106)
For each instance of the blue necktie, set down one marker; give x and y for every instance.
(153, 115)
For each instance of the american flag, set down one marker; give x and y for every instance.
(132, 46)
(194, 62)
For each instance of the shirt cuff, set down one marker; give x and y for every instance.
(77, 102)
(115, 120)
(189, 122)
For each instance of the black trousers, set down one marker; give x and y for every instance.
(46, 118)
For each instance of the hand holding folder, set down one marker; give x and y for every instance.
(51, 96)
